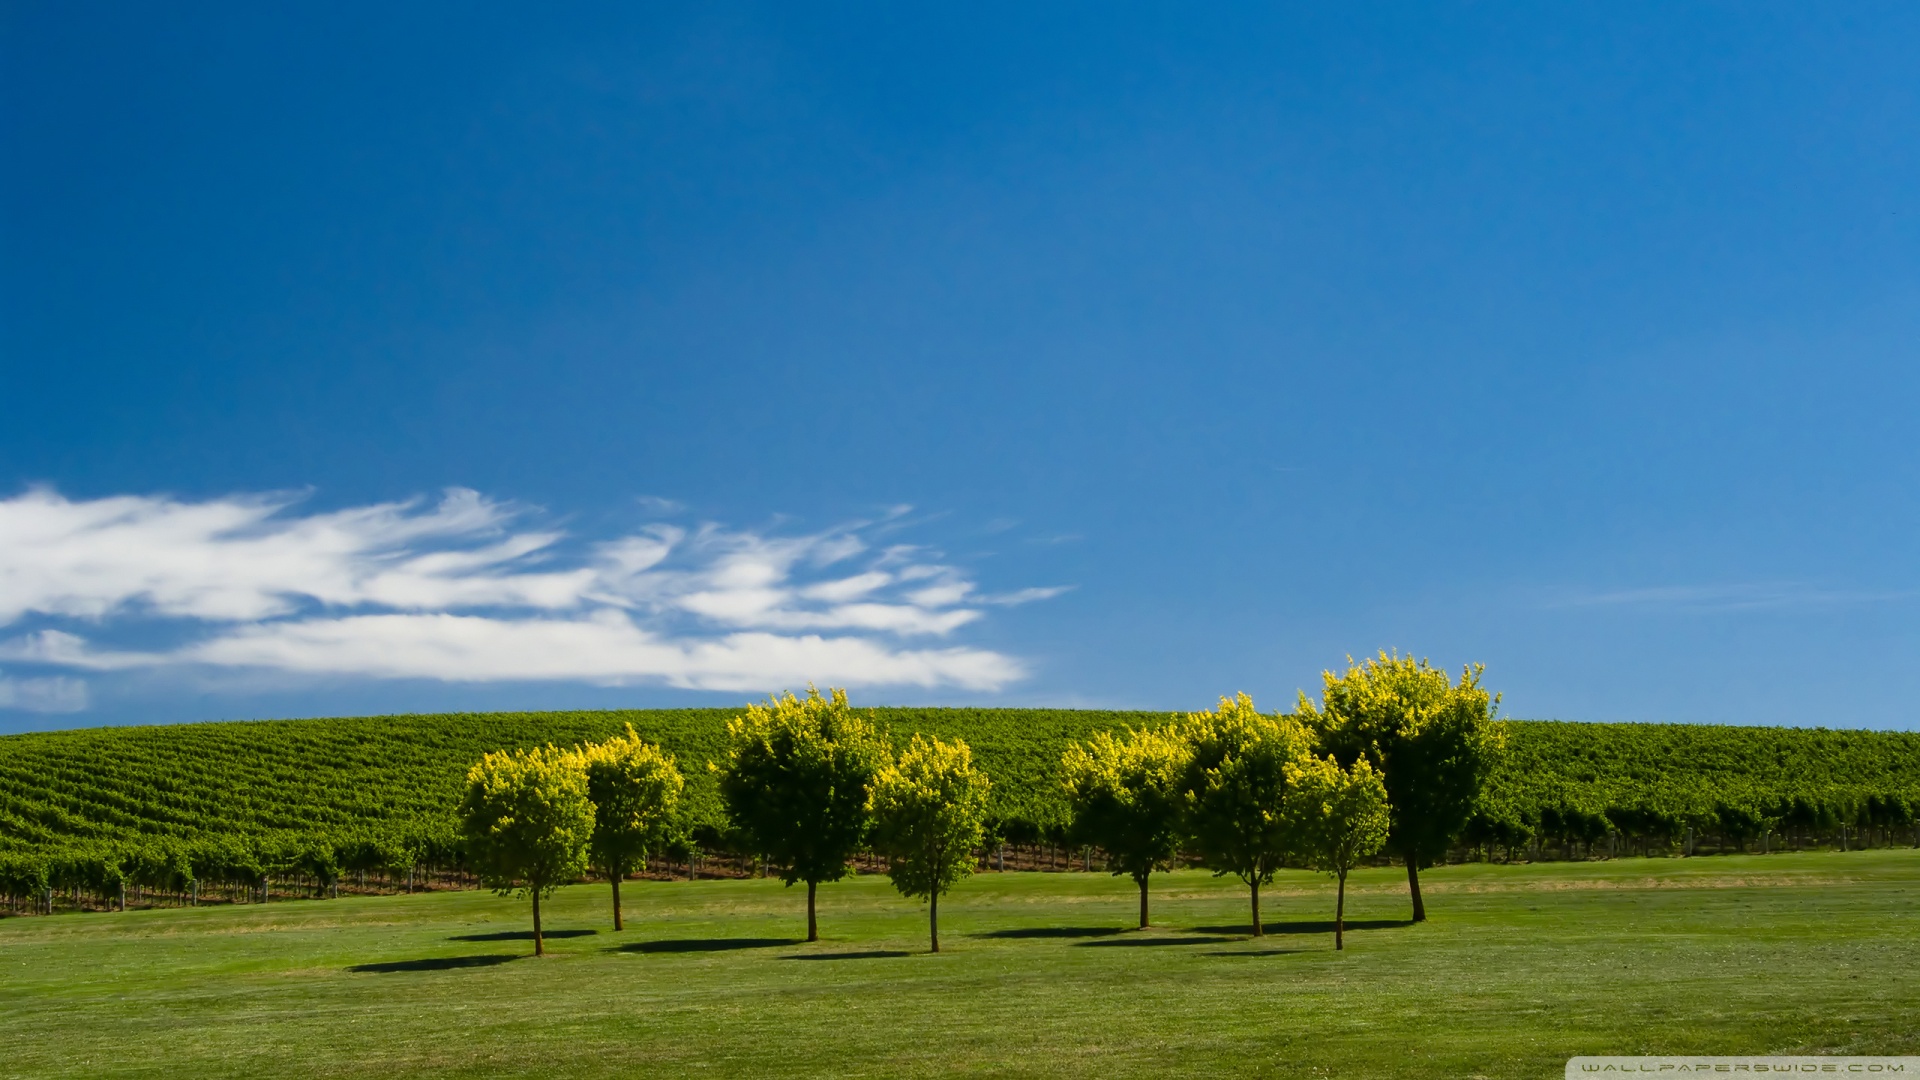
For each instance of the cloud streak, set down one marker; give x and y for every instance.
(1745, 596)
(57, 694)
(460, 590)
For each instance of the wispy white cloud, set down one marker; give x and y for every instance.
(1739, 596)
(461, 590)
(55, 694)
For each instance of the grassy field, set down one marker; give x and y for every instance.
(1520, 967)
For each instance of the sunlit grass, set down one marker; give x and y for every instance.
(1519, 968)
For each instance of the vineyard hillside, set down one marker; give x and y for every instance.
(293, 790)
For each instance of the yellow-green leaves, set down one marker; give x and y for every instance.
(796, 781)
(1432, 740)
(929, 812)
(528, 818)
(1338, 816)
(1235, 785)
(1125, 797)
(635, 787)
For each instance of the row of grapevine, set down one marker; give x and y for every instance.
(1570, 790)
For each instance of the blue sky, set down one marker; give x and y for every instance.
(359, 360)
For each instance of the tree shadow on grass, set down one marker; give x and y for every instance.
(870, 954)
(726, 944)
(437, 963)
(1055, 932)
(1255, 952)
(522, 935)
(1304, 927)
(1132, 942)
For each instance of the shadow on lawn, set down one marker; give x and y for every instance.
(1311, 927)
(870, 954)
(1055, 932)
(437, 963)
(1131, 942)
(727, 944)
(522, 935)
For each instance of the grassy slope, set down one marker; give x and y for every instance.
(1520, 967)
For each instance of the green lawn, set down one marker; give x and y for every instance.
(1518, 968)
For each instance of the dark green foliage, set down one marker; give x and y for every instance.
(1568, 785)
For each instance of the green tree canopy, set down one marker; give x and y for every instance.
(635, 788)
(1234, 790)
(528, 821)
(1434, 743)
(1125, 796)
(796, 784)
(1338, 817)
(929, 813)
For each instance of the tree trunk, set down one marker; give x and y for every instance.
(1257, 931)
(933, 919)
(1413, 886)
(1340, 914)
(539, 946)
(813, 928)
(1143, 900)
(617, 923)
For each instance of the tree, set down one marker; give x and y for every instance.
(1433, 742)
(528, 822)
(796, 784)
(1125, 796)
(1234, 790)
(635, 788)
(929, 814)
(1339, 816)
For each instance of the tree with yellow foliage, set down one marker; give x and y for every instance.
(1338, 817)
(1433, 741)
(1125, 797)
(796, 784)
(1235, 787)
(929, 814)
(635, 787)
(528, 821)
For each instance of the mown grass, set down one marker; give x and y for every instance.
(1519, 968)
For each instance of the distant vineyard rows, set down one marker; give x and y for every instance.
(230, 802)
